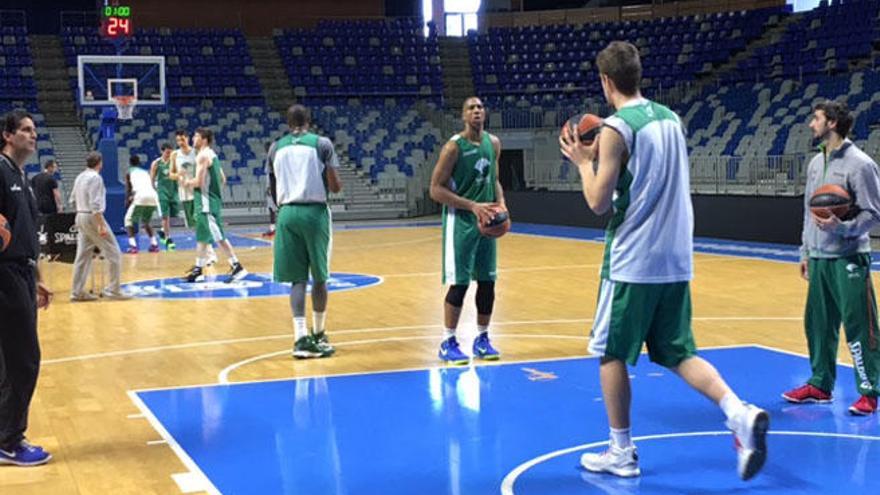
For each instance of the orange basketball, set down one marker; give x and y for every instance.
(498, 226)
(587, 126)
(5, 233)
(830, 199)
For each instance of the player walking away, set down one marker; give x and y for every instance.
(207, 203)
(183, 169)
(142, 200)
(302, 169)
(836, 260)
(166, 186)
(643, 177)
(465, 181)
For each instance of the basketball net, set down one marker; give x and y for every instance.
(124, 106)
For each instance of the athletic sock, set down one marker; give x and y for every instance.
(482, 329)
(621, 437)
(319, 320)
(300, 329)
(200, 262)
(731, 405)
(132, 242)
(448, 332)
(233, 260)
(154, 241)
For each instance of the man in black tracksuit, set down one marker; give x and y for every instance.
(21, 293)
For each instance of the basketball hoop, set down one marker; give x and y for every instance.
(124, 106)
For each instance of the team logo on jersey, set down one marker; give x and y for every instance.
(254, 285)
(482, 166)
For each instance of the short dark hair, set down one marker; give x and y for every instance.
(166, 146)
(298, 115)
(12, 121)
(181, 132)
(94, 158)
(134, 161)
(49, 163)
(207, 134)
(620, 61)
(837, 111)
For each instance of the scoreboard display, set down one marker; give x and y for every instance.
(115, 19)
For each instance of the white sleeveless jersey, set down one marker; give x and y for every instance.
(650, 236)
(186, 165)
(144, 194)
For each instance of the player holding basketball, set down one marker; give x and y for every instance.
(465, 181)
(207, 204)
(836, 260)
(183, 168)
(166, 185)
(143, 200)
(302, 169)
(642, 175)
(21, 293)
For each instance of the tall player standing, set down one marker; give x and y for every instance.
(465, 181)
(166, 186)
(207, 203)
(183, 168)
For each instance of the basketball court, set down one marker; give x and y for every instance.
(196, 391)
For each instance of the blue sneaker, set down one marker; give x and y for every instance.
(25, 454)
(451, 353)
(483, 348)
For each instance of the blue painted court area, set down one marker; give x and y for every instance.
(253, 285)
(187, 241)
(474, 430)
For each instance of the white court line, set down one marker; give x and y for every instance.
(289, 335)
(157, 442)
(194, 469)
(134, 416)
(509, 480)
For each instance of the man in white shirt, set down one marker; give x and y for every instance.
(143, 201)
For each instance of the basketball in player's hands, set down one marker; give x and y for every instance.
(5, 233)
(586, 125)
(830, 199)
(498, 225)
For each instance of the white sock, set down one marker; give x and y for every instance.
(621, 437)
(200, 262)
(319, 320)
(233, 260)
(300, 329)
(448, 332)
(210, 251)
(482, 329)
(154, 241)
(731, 405)
(132, 242)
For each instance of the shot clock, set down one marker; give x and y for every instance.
(115, 19)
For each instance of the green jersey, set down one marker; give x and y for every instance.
(209, 199)
(474, 174)
(165, 185)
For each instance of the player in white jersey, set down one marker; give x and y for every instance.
(183, 168)
(642, 175)
(143, 200)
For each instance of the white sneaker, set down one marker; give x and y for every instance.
(615, 460)
(750, 436)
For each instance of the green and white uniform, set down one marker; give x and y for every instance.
(467, 255)
(207, 201)
(186, 166)
(303, 230)
(648, 263)
(169, 204)
(144, 198)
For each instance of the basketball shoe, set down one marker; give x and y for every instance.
(807, 394)
(309, 347)
(483, 348)
(865, 406)
(195, 275)
(750, 436)
(236, 273)
(24, 454)
(623, 462)
(154, 248)
(451, 352)
(131, 250)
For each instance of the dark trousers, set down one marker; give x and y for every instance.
(19, 349)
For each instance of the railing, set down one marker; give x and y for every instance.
(780, 175)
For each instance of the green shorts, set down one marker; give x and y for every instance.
(188, 213)
(139, 214)
(302, 243)
(169, 206)
(629, 315)
(467, 255)
(209, 228)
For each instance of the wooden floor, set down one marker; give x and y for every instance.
(93, 353)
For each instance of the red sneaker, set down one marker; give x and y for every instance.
(154, 248)
(131, 250)
(269, 234)
(807, 393)
(865, 406)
